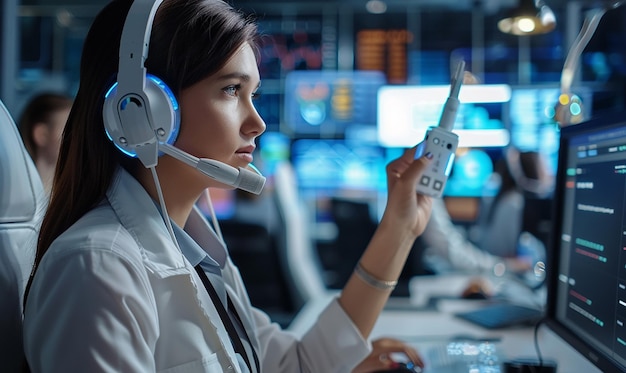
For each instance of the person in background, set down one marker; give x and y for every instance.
(519, 175)
(41, 127)
(522, 175)
(123, 284)
(448, 249)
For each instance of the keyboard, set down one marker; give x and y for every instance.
(462, 357)
(502, 315)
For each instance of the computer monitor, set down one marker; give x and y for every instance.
(339, 168)
(471, 175)
(331, 166)
(325, 103)
(406, 112)
(533, 122)
(587, 255)
(274, 148)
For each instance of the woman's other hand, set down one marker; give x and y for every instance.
(379, 359)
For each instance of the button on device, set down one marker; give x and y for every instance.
(437, 185)
(425, 180)
(436, 140)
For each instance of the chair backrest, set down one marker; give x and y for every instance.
(22, 204)
(298, 255)
(252, 247)
(355, 228)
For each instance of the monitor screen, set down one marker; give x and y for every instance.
(532, 112)
(223, 202)
(532, 119)
(325, 103)
(274, 148)
(334, 165)
(587, 273)
(339, 168)
(406, 112)
(471, 174)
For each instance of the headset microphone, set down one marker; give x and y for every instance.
(242, 178)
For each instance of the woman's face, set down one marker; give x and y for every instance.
(48, 135)
(218, 117)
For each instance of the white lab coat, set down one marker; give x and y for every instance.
(114, 294)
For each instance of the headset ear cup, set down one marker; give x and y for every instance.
(133, 120)
(538, 186)
(163, 110)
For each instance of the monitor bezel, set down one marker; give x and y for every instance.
(599, 123)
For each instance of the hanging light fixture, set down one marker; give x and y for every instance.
(376, 6)
(530, 17)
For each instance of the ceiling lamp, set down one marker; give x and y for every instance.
(530, 17)
(376, 6)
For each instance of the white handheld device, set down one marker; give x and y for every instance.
(441, 142)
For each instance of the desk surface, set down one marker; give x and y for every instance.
(420, 328)
(412, 321)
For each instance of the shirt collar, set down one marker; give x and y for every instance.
(140, 216)
(191, 249)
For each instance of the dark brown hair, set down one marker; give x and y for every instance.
(40, 109)
(190, 40)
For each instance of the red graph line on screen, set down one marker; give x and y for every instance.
(276, 47)
(591, 255)
(579, 296)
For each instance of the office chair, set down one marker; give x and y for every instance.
(297, 254)
(252, 248)
(355, 228)
(22, 204)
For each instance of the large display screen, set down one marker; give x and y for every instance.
(587, 290)
(406, 112)
(326, 103)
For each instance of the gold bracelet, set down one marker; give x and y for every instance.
(373, 281)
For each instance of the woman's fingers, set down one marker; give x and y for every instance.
(382, 359)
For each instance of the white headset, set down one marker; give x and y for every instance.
(141, 114)
(540, 187)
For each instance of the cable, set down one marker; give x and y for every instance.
(216, 224)
(165, 215)
(536, 340)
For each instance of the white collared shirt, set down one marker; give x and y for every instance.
(114, 294)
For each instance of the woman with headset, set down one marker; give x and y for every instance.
(523, 175)
(129, 276)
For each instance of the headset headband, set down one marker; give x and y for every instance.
(134, 52)
(139, 111)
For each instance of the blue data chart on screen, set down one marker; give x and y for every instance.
(331, 166)
(325, 103)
